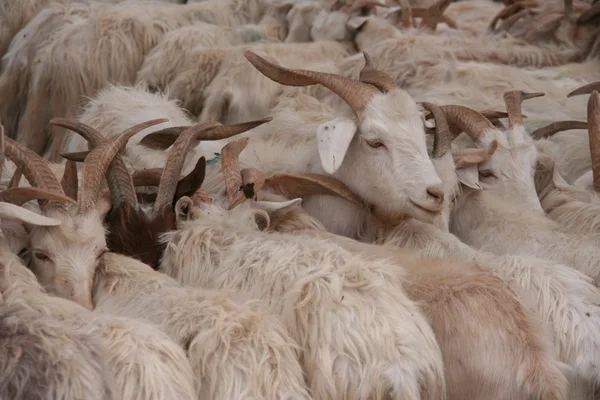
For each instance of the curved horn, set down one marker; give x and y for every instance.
(230, 168)
(79, 156)
(355, 93)
(162, 139)
(407, 13)
(252, 182)
(175, 160)
(2, 149)
(375, 77)
(503, 14)
(434, 14)
(594, 133)
(147, 177)
(21, 195)
(474, 156)
(513, 100)
(69, 180)
(16, 178)
(34, 167)
(301, 185)
(586, 89)
(555, 127)
(442, 140)
(8, 210)
(467, 120)
(97, 162)
(118, 177)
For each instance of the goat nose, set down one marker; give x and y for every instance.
(436, 192)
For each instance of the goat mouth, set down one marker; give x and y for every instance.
(429, 211)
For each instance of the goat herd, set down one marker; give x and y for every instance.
(412, 212)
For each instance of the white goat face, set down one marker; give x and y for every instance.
(65, 257)
(513, 163)
(386, 162)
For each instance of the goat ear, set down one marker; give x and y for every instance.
(469, 176)
(557, 179)
(333, 139)
(262, 220)
(183, 209)
(11, 211)
(356, 24)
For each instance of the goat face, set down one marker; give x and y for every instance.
(386, 162)
(65, 257)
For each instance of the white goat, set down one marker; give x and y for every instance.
(142, 361)
(235, 351)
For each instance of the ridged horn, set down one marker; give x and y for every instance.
(467, 120)
(555, 127)
(230, 168)
(594, 133)
(34, 167)
(21, 195)
(162, 139)
(442, 140)
(375, 77)
(69, 181)
(585, 89)
(434, 14)
(15, 180)
(355, 93)
(118, 177)
(513, 100)
(97, 162)
(301, 185)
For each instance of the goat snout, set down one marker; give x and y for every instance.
(436, 193)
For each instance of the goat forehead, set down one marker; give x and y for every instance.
(76, 231)
(394, 116)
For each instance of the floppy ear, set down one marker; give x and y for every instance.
(356, 24)
(183, 209)
(469, 176)
(11, 211)
(333, 139)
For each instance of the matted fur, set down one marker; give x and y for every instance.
(236, 350)
(465, 306)
(318, 289)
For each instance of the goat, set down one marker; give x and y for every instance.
(379, 135)
(315, 288)
(141, 361)
(236, 350)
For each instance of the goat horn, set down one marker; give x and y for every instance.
(34, 167)
(16, 178)
(355, 93)
(589, 14)
(365, 4)
(493, 114)
(555, 127)
(187, 185)
(302, 185)
(407, 13)
(164, 138)
(503, 14)
(2, 148)
(375, 77)
(594, 134)
(230, 168)
(442, 140)
(79, 156)
(21, 195)
(474, 156)
(434, 14)
(118, 177)
(252, 182)
(467, 120)
(69, 180)
(175, 160)
(97, 162)
(8, 210)
(513, 100)
(586, 89)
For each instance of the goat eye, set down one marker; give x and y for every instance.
(376, 144)
(486, 174)
(41, 256)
